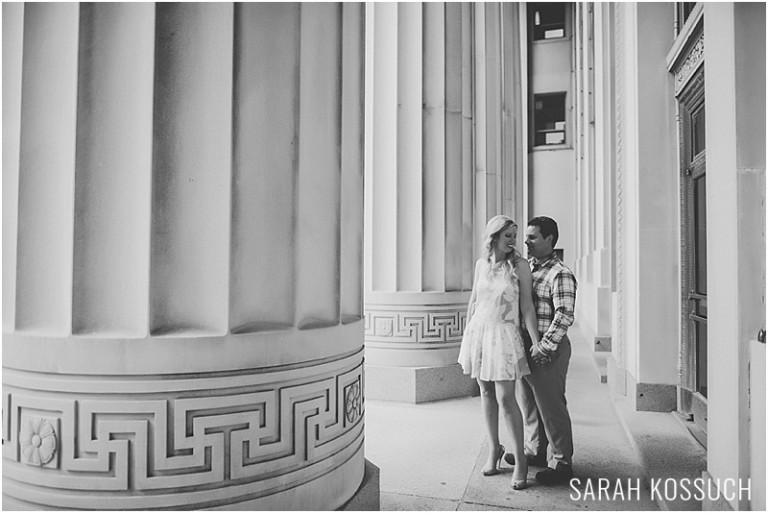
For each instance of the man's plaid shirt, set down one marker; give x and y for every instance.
(554, 294)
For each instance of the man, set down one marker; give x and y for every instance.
(542, 393)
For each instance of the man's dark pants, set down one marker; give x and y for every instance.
(541, 395)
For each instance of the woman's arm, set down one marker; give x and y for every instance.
(526, 301)
(473, 296)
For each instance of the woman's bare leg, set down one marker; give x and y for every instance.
(491, 416)
(505, 394)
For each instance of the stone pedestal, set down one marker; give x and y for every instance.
(412, 345)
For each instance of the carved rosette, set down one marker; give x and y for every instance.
(353, 402)
(37, 438)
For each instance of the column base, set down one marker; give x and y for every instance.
(11, 504)
(367, 497)
(418, 384)
(718, 499)
(654, 397)
(643, 396)
(602, 344)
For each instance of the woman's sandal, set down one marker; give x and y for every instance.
(519, 484)
(495, 470)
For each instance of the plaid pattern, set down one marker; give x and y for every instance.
(554, 294)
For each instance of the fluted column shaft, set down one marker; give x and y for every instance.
(499, 103)
(594, 198)
(184, 328)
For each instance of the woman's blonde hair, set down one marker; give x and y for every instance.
(495, 226)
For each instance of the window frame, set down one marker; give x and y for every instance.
(683, 12)
(535, 118)
(531, 16)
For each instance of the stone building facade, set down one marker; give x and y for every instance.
(669, 132)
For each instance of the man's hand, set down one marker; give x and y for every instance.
(538, 357)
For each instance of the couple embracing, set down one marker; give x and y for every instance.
(515, 344)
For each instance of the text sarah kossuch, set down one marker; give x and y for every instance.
(668, 489)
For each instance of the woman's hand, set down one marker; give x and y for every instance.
(538, 357)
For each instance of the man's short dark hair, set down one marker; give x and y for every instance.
(547, 226)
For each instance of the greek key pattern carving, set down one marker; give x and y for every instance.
(249, 434)
(692, 62)
(407, 325)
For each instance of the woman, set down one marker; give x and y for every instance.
(492, 349)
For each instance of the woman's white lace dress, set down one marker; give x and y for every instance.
(492, 347)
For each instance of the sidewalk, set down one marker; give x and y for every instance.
(431, 455)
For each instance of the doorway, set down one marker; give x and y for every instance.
(693, 388)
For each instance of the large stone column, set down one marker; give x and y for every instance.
(734, 82)
(418, 209)
(434, 174)
(184, 330)
(647, 311)
(594, 195)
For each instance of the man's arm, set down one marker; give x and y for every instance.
(564, 301)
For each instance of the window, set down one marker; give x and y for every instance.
(549, 119)
(698, 136)
(547, 20)
(684, 10)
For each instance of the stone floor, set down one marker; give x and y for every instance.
(431, 455)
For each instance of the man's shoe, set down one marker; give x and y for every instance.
(561, 474)
(533, 461)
